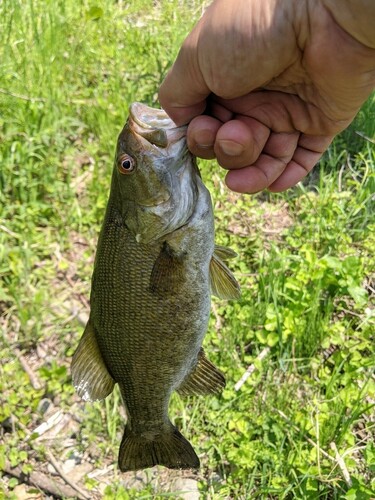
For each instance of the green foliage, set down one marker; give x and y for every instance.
(68, 72)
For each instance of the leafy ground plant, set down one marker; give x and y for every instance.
(296, 419)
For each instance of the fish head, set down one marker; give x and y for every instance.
(155, 175)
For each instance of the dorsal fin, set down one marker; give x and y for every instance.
(224, 253)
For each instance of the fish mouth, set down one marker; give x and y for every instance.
(157, 128)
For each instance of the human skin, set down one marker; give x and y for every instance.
(265, 86)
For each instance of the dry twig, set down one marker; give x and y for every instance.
(251, 368)
(341, 464)
(318, 448)
(361, 134)
(62, 474)
(8, 231)
(45, 483)
(52, 421)
(34, 380)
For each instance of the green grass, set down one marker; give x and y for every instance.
(68, 72)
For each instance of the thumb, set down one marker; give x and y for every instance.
(183, 93)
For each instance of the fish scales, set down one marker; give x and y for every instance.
(154, 271)
(158, 323)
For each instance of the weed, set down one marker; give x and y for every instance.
(68, 72)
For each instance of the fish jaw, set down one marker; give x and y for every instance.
(157, 128)
(148, 224)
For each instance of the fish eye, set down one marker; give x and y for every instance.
(125, 164)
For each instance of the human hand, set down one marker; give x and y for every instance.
(276, 82)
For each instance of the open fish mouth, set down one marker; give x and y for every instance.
(156, 127)
(147, 117)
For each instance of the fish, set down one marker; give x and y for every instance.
(155, 268)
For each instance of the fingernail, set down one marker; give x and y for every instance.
(231, 148)
(204, 139)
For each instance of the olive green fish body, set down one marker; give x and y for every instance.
(154, 272)
(156, 324)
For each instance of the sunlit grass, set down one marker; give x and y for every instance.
(68, 72)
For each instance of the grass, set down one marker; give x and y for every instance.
(68, 72)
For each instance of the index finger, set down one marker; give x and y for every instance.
(183, 92)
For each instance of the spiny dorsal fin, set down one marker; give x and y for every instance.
(167, 274)
(223, 284)
(90, 375)
(204, 379)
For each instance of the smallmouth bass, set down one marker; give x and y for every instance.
(156, 266)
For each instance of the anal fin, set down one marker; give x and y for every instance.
(89, 372)
(204, 379)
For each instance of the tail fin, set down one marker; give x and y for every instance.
(170, 449)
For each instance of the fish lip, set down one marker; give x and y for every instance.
(174, 143)
(156, 126)
(156, 118)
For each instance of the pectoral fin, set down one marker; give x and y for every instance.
(204, 379)
(223, 284)
(167, 274)
(89, 372)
